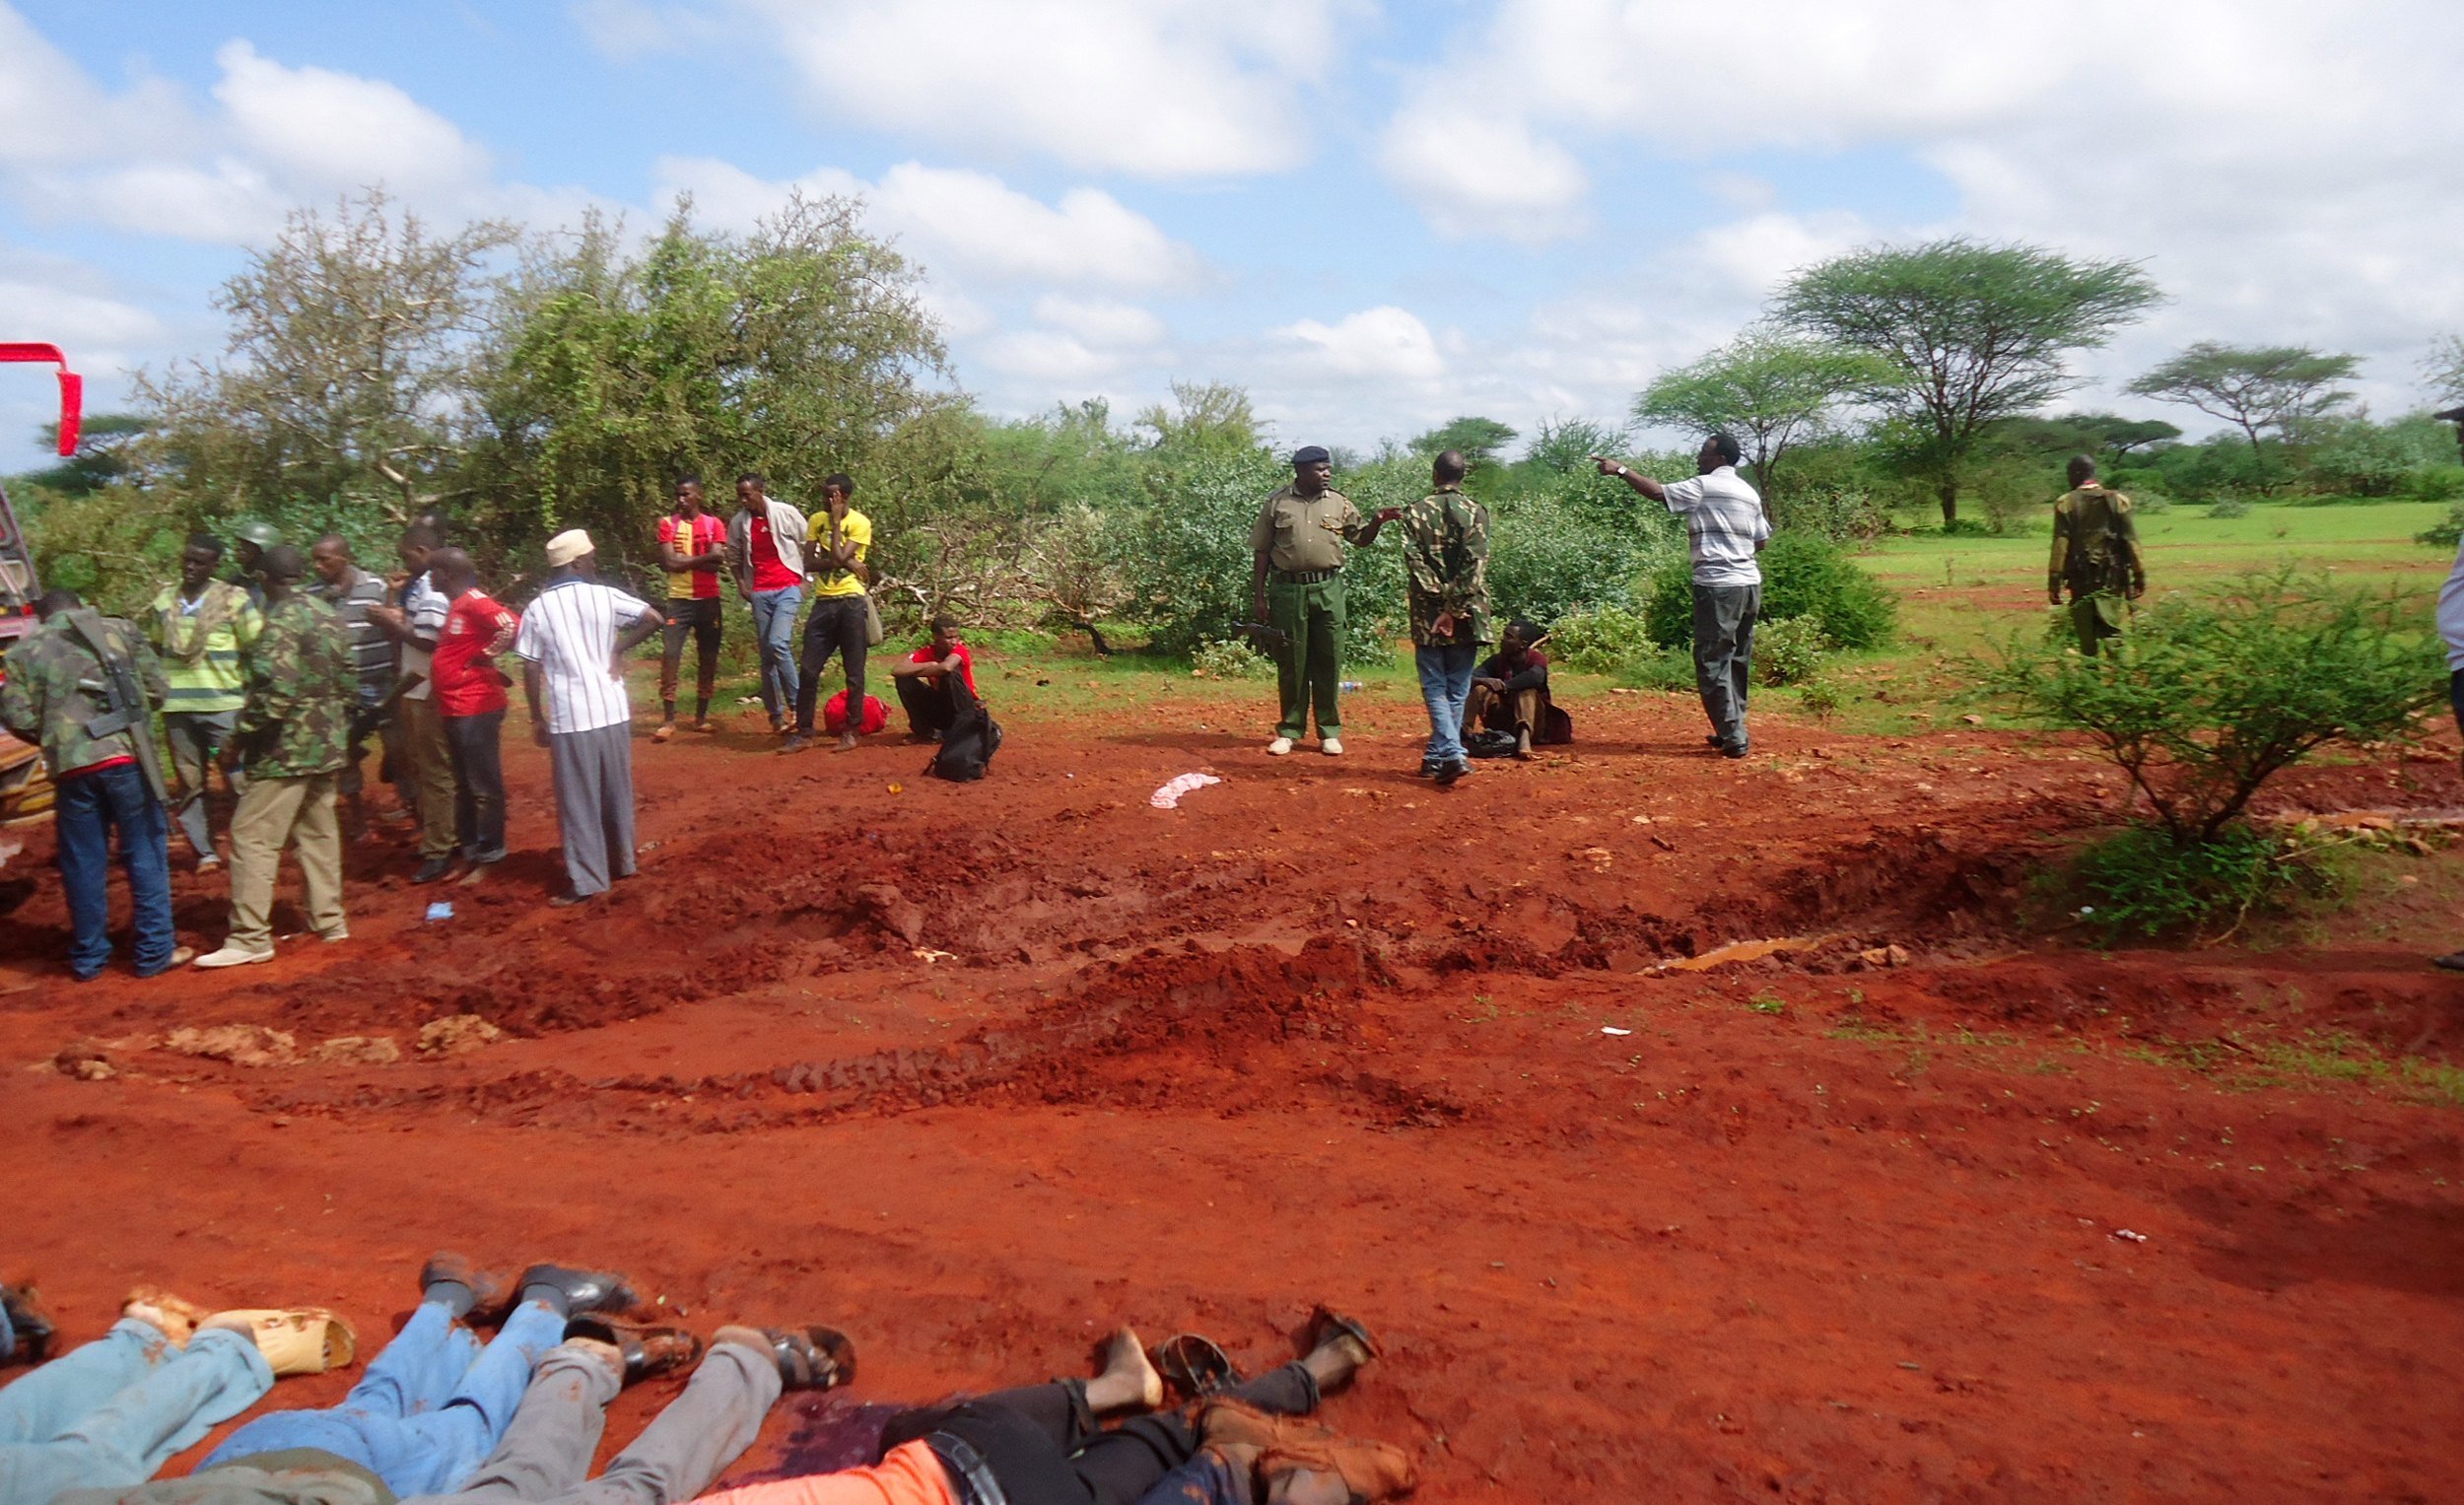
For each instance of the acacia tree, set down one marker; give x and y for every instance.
(1767, 391)
(1975, 333)
(2443, 366)
(347, 370)
(2253, 387)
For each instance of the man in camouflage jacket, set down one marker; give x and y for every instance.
(1446, 557)
(58, 692)
(295, 734)
(2096, 554)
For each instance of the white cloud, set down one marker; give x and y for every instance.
(1047, 358)
(1101, 321)
(320, 129)
(967, 223)
(1473, 171)
(1162, 89)
(1381, 344)
(628, 31)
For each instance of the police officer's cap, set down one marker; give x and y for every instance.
(1312, 455)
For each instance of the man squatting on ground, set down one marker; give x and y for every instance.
(63, 694)
(1725, 528)
(573, 643)
(1510, 694)
(1297, 590)
(935, 682)
(836, 540)
(293, 734)
(692, 545)
(200, 626)
(470, 693)
(2096, 553)
(1446, 570)
(766, 555)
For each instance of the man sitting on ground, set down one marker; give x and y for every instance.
(1510, 694)
(930, 679)
(107, 1414)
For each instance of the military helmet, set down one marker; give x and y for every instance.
(257, 532)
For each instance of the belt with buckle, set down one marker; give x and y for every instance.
(970, 1476)
(1302, 577)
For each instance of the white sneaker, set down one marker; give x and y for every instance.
(1333, 747)
(338, 933)
(1280, 747)
(233, 956)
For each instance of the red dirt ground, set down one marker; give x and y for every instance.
(973, 1071)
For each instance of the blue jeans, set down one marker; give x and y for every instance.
(90, 807)
(774, 628)
(1445, 685)
(107, 1414)
(429, 1408)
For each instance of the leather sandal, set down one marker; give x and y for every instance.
(1194, 1364)
(1326, 1322)
(296, 1339)
(811, 1359)
(649, 1348)
(29, 1321)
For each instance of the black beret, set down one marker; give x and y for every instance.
(1311, 455)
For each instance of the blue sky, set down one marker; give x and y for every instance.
(1374, 216)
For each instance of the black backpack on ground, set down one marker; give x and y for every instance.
(968, 745)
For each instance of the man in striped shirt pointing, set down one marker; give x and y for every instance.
(573, 643)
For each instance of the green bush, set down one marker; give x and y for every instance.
(2447, 532)
(2141, 882)
(1840, 514)
(1230, 658)
(2230, 506)
(1790, 651)
(1666, 668)
(1558, 552)
(2435, 483)
(1801, 576)
(2208, 697)
(1601, 641)
(1820, 696)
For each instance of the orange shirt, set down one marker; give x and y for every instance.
(911, 1475)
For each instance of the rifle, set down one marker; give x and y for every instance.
(123, 695)
(369, 717)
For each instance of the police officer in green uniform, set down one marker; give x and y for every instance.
(2096, 553)
(295, 733)
(85, 687)
(1298, 589)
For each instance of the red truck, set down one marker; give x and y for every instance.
(25, 785)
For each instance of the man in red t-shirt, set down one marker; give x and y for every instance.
(470, 697)
(692, 545)
(766, 554)
(930, 681)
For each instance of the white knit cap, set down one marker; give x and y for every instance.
(567, 546)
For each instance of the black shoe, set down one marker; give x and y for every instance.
(1731, 749)
(581, 1290)
(432, 869)
(487, 1291)
(1428, 768)
(1713, 739)
(811, 1359)
(797, 742)
(1448, 773)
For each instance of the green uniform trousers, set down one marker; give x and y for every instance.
(1309, 668)
(2097, 616)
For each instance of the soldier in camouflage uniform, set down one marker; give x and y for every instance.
(58, 692)
(295, 735)
(1446, 562)
(2096, 552)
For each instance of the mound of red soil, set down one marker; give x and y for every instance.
(975, 1072)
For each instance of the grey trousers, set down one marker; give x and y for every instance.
(1724, 652)
(195, 738)
(593, 773)
(546, 1451)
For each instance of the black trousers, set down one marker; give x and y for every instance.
(837, 625)
(1043, 1444)
(930, 701)
(475, 743)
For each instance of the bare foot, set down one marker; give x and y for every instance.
(606, 1353)
(1337, 1358)
(166, 1314)
(750, 1337)
(1129, 1382)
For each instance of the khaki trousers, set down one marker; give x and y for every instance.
(274, 813)
(431, 765)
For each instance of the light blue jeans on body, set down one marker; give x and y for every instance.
(774, 628)
(1446, 686)
(109, 1413)
(429, 1408)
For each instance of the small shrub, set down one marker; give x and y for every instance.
(2445, 533)
(1801, 576)
(1840, 514)
(2435, 483)
(1600, 641)
(1790, 652)
(2230, 506)
(1820, 696)
(1230, 658)
(2141, 883)
(1968, 527)
(1667, 668)
(2151, 503)
(2208, 697)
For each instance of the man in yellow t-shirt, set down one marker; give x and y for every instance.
(835, 547)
